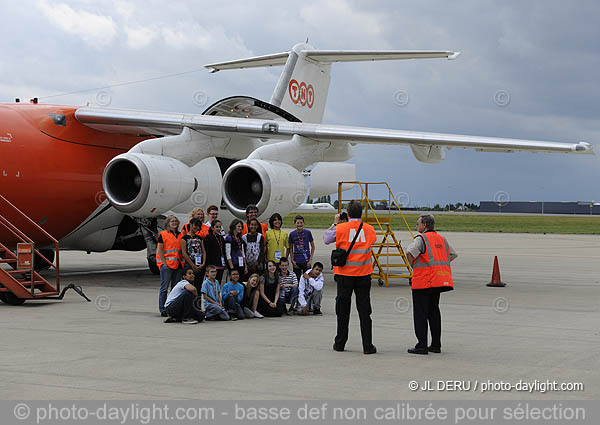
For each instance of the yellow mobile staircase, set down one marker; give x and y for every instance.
(388, 254)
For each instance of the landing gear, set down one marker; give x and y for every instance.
(150, 230)
(152, 266)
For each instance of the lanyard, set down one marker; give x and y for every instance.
(238, 242)
(276, 238)
(300, 239)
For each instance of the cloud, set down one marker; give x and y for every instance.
(96, 30)
(182, 36)
(543, 52)
(140, 37)
(124, 8)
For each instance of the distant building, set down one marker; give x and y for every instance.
(541, 207)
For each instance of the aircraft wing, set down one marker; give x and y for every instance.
(426, 146)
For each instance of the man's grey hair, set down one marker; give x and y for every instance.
(428, 221)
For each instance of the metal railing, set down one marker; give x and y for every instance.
(22, 237)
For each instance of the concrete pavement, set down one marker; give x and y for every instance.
(545, 325)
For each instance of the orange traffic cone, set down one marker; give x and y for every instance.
(496, 282)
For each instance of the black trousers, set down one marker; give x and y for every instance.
(199, 279)
(186, 306)
(299, 270)
(219, 277)
(426, 310)
(361, 286)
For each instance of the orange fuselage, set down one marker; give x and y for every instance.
(51, 171)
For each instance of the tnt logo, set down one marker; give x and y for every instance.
(301, 93)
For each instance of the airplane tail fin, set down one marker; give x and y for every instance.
(304, 83)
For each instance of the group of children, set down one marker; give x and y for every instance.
(260, 280)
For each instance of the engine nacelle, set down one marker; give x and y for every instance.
(271, 186)
(208, 192)
(142, 185)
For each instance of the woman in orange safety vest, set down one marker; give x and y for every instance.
(168, 259)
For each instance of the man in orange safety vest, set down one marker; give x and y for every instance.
(354, 276)
(430, 255)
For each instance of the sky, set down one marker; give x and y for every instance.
(526, 70)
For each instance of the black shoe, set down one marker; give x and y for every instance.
(171, 320)
(418, 351)
(164, 314)
(371, 350)
(434, 349)
(337, 348)
(288, 312)
(317, 312)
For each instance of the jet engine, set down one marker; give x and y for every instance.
(272, 186)
(142, 185)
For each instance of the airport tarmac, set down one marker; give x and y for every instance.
(544, 325)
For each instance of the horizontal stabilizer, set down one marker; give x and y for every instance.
(275, 59)
(330, 56)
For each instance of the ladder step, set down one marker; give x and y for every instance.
(19, 271)
(8, 260)
(45, 294)
(27, 284)
(376, 220)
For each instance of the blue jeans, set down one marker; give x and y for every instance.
(167, 275)
(233, 307)
(291, 296)
(212, 310)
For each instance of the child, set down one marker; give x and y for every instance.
(193, 251)
(288, 286)
(251, 294)
(269, 303)
(235, 248)
(277, 240)
(302, 247)
(311, 291)
(213, 304)
(233, 294)
(181, 302)
(255, 248)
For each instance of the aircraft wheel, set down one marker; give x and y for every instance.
(12, 299)
(152, 266)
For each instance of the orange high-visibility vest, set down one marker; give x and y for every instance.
(432, 268)
(171, 250)
(264, 227)
(204, 229)
(359, 262)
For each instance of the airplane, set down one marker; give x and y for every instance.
(99, 179)
(320, 206)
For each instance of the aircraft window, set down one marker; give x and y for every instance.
(59, 119)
